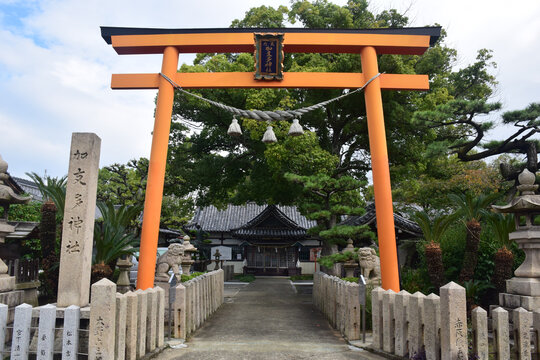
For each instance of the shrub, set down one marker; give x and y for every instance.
(244, 278)
(301, 277)
(189, 277)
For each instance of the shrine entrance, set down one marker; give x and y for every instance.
(367, 42)
(268, 260)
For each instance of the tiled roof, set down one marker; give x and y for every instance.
(271, 222)
(242, 220)
(29, 187)
(400, 222)
(235, 216)
(23, 229)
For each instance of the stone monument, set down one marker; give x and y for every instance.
(170, 260)
(189, 249)
(7, 197)
(370, 264)
(351, 264)
(523, 290)
(79, 216)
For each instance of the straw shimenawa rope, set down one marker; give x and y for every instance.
(266, 115)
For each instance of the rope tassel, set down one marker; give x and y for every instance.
(269, 137)
(296, 128)
(234, 128)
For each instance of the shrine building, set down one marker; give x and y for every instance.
(272, 239)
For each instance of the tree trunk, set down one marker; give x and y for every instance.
(329, 249)
(100, 271)
(504, 262)
(471, 250)
(47, 229)
(435, 264)
(50, 261)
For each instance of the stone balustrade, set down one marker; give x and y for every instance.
(339, 301)
(196, 300)
(436, 327)
(119, 326)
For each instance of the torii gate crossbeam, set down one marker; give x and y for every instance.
(366, 42)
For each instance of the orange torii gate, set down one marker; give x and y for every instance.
(366, 42)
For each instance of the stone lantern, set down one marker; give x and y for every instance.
(7, 197)
(523, 290)
(189, 249)
(123, 285)
(217, 256)
(349, 265)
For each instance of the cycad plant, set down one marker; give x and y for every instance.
(114, 236)
(503, 225)
(471, 209)
(51, 188)
(433, 229)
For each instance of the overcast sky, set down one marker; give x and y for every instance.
(55, 68)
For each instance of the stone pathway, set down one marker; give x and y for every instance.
(267, 319)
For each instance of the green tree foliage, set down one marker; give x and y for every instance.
(422, 128)
(326, 200)
(221, 169)
(125, 184)
(25, 212)
(461, 124)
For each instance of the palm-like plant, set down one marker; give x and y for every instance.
(113, 237)
(51, 188)
(123, 215)
(471, 209)
(502, 226)
(433, 230)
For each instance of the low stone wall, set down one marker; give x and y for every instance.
(196, 300)
(339, 301)
(407, 324)
(121, 326)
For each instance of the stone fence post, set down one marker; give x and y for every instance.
(377, 318)
(453, 322)
(401, 303)
(102, 320)
(388, 321)
(432, 324)
(180, 312)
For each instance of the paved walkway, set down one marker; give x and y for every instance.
(267, 319)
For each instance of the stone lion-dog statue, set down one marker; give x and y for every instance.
(370, 263)
(171, 259)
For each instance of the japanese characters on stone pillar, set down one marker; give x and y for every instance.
(79, 214)
(454, 322)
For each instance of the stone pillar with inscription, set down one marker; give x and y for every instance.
(79, 215)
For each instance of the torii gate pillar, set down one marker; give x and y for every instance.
(381, 172)
(156, 171)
